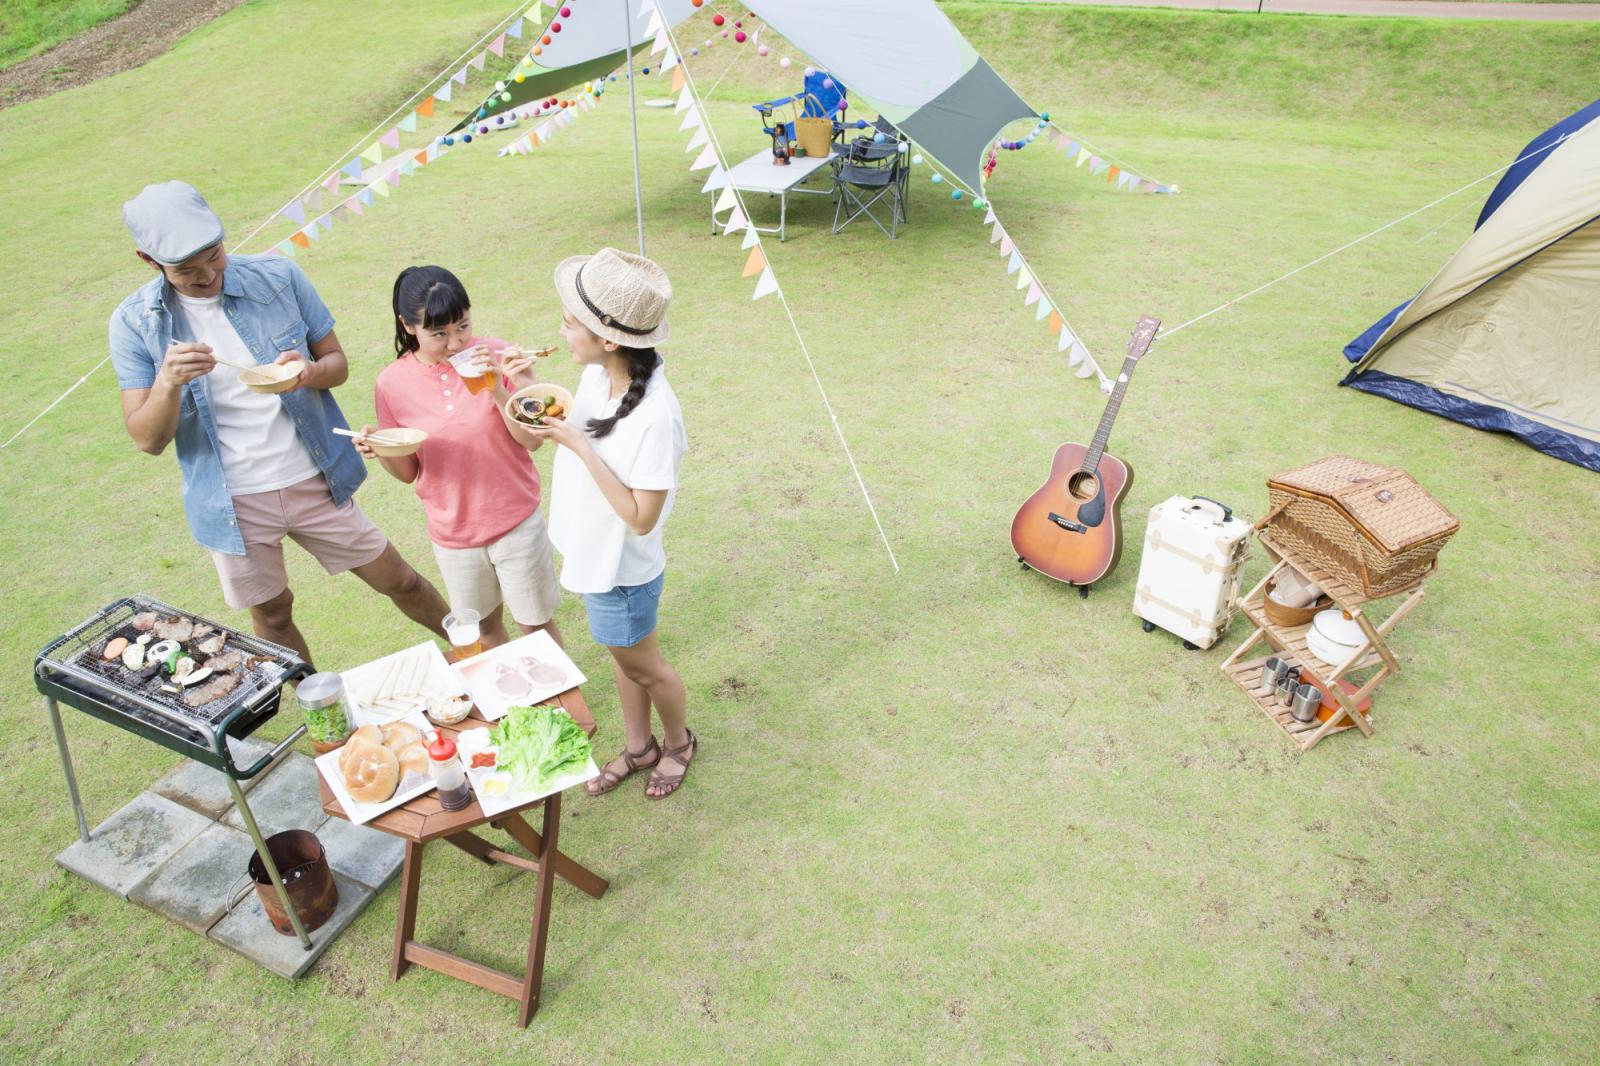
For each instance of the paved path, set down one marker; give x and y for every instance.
(1425, 8)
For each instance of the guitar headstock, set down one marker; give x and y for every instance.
(1143, 334)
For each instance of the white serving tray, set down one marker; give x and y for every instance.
(362, 813)
(511, 798)
(501, 678)
(421, 670)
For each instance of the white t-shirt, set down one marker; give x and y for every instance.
(644, 449)
(260, 449)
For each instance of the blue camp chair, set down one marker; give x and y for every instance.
(815, 102)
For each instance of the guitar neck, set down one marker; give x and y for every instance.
(1102, 435)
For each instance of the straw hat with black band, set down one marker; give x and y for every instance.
(620, 297)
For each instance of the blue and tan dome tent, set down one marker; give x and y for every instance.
(1507, 336)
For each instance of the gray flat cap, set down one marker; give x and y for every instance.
(171, 221)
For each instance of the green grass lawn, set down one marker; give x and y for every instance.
(954, 814)
(28, 27)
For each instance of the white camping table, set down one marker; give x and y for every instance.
(760, 174)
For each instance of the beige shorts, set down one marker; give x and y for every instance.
(340, 538)
(516, 570)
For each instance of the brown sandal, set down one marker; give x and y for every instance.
(610, 779)
(670, 782)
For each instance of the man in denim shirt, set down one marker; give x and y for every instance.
(256, 467)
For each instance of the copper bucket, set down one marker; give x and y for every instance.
(303, 864)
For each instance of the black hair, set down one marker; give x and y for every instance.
(641, 364)
(426, 297)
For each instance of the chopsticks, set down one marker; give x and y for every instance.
(375, 438)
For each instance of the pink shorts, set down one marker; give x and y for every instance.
(340, 538)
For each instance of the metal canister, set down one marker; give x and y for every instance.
(322, 706)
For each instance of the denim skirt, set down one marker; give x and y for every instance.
(625, 615)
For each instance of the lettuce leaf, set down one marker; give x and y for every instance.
(538, 745)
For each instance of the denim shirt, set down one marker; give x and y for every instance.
(274, 309)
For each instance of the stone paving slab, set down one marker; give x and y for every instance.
(287, 798)
(125, 848)
(204, 789)
(248, 931)
(362, 854)
(191, 888)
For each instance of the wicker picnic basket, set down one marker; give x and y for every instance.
(1371, 526)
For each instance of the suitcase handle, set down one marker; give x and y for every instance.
(1227, 512)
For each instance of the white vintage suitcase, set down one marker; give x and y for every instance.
(1194, 551)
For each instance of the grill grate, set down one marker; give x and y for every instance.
(73, 662)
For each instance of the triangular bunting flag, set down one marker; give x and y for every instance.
(380, 187)
(751, 238)
(1064, 145)
(1024, 278)
(677, 78)
(1078, 352)
(1056, 321)
(715, 180)
(354, 204)
(460, 76)
(391, 139)
(685, 99)
(352, 168)
(408, 166)
(422, 157)
(691, 120)
(285, 248)
(327, 220)
(756, 263)
(331, 182)
(988, 216)
(654, 25)
(1033, 294)
(1015, 263)
(1083, 156)
(533, 140)
(498, 45)
(393, 178)
(706, 158)
(515, 29)
(1096, 165)
(736, 221)
(365, 196)
(443, 93)
(1064, 341)
(294, 212)
(1042, 310)
(409, 123)
(478, 61)
(766, 284)
(996, 233)
(313, 199)
(300, 239)
(1072, 148)
(374, 153)
(1006, 247)
(725, 201)
(697, 140)
(660, 43)
(311, 230)
(1111, 174)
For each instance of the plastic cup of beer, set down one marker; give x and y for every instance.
(475, 368)
(466, 639)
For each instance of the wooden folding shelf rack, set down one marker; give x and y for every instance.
(1290, 641)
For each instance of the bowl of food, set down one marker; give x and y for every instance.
(449, 710)
(396, 441)
(532, 405)
(272, 377)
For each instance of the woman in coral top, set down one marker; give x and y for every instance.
(474, 474)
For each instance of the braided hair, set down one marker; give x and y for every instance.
(426, 297)
(641, 364)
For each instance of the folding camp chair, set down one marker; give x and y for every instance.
(863, 174)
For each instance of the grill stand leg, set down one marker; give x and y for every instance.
(66, 767)
(266, 861)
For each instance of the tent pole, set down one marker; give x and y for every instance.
(633, 112)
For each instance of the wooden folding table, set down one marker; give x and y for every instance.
(424, 820)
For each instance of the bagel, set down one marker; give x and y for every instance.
(352, 747)
(373, 773)
(397, 736)
(413, 760)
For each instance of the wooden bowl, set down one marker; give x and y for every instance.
(272, 377)
(543, 390)
(406, 441)
(1280, 615)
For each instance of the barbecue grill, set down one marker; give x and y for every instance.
(70, 670)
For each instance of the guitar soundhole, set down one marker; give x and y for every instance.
(1082, 486)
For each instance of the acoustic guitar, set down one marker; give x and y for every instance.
(1071, 529)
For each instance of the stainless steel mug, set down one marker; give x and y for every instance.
(1286, 692)
(1307, 698)
(1269, 676)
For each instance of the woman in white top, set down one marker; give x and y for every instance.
(611, 490)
